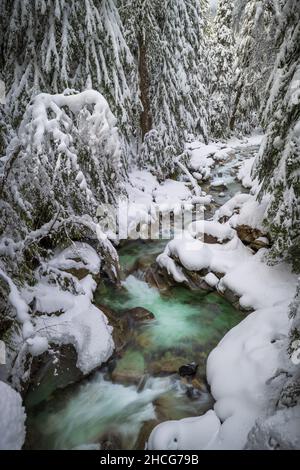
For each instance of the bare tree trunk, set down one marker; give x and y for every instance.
(145, 118)
(235, 107)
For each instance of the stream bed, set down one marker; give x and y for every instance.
(117, 406)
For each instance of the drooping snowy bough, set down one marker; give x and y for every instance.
(64, 163)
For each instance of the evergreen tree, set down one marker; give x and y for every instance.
(169, 42)
(52, 45)
(221, 72)
(179, 89)
(278, 166)
(253, 65)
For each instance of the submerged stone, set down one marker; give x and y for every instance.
(140, 314)
(130, 369)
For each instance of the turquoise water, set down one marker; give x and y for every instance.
(107, 407)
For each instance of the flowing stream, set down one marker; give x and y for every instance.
(117, 406)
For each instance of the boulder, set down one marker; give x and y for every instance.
(54, 369)
(248, 234)
(188, 369)
(121, 327)
(159, 278)
(144, 434)
(139, 314)
(168, 364)
(111, 441)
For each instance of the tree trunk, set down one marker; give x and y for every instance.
(235, 107)
(145, 118)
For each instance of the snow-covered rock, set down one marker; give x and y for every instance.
(12, 419)
(81, 324)
(185, 434)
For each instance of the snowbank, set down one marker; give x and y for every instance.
(69, 316)
(12, 419)
(219, 231)
(244, 173)
(201, 158)
(244, 209)
(147, 198)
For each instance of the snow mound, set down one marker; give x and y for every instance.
(68, 258)
(201, 158)
(81, 324)
(171, 193)
(223, 154)
(244, 209)
(12, 419)
(220, 231)
(185, 434)
(244, 173)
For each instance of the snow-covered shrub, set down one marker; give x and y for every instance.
(156, 156)
(63, 163)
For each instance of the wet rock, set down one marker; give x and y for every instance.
(50, 371)
(261, 242)
(248, 234)
(168, 364)
(111, 441)
(199, 384)
(130, 368)
(121, 327)
(193, 393)
(159, 278)
(210, 239)
(231, 296)
(188, 369)
(219, 275)
(139, 314)
(79, 273)
(144, 434)
(141, 264)
(195, 280)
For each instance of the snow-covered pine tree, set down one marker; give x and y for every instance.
(170, 47)
(278, 165)
(62, 164)
(179, 89)
(221, 70)
(51, 45)
(253, 64)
